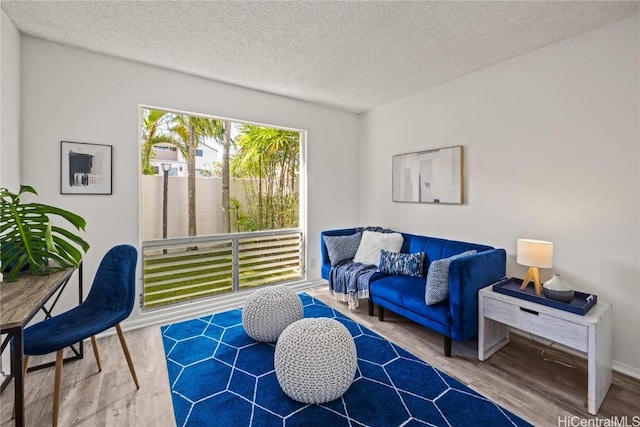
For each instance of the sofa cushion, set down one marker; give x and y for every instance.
(402, 264)
(341, 248)
(437, 288)
(373, 243)
(408, 292)
(437, 248)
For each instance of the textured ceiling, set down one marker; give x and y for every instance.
(350, 55)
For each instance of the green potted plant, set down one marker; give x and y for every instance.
(30, 240)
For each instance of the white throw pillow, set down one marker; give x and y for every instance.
(373, 243)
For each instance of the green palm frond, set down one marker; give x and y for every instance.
(153, 122)
(148, 153)
(29, 238)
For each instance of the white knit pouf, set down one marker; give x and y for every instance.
(315, 360)
(267, 312)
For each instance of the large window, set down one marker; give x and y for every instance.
(223, 211)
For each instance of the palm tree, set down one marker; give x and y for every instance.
(152, 121)
(222, 136)
(191, 130)
(226, 148)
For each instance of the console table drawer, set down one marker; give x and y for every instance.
(560, 330)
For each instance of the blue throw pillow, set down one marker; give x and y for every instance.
(401, 264)
(341, 248)
(438, 278)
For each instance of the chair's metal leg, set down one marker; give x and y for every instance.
(56, 388)
(127, 355)
(25, 365)
(96, 352)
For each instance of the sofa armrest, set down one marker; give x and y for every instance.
(466, 277)
(325, 267)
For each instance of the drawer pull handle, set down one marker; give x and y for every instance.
(529, 311)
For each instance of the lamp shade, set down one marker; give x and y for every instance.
(535, 253)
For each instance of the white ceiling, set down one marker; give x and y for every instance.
(346, 54)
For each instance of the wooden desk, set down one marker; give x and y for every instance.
(20, 301)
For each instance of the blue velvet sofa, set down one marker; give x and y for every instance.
(457, 316)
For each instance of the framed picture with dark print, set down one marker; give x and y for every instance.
(431, 176)
(85, 168)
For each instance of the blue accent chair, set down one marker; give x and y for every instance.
(109, 302)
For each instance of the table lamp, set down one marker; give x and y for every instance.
(534, 254)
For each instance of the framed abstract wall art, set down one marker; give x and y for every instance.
(85, 168)
(431, 176)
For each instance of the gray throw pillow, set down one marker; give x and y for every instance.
(341, 248)
(438, 278)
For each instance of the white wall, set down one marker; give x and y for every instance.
(75, 95)
(9, 121)
(551, 148)
(9, 105)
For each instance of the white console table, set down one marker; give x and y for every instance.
(590, 333)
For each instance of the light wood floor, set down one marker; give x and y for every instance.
(516, 378)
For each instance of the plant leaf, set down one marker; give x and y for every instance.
(29, 237)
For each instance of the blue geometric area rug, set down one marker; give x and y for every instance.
(221, 377)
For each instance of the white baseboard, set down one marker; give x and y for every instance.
(626, 369)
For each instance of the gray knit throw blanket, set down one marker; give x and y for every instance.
(349, 282)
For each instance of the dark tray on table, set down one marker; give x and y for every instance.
(580, 304)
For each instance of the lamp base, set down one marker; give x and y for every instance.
(532, 274)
